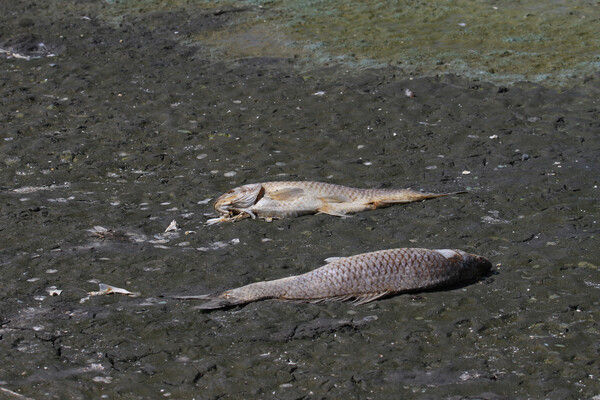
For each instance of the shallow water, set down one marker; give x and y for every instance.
(130, 117)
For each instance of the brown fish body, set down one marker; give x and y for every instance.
(274, 200)
(363, 277)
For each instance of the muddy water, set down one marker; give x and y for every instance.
(130, 116)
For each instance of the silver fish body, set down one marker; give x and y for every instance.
(363, 277)
(275, 200)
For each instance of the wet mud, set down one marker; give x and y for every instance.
(115, 123)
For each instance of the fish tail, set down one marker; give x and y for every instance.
(408, 196)
(217, 300)
(238, 296)
(436, 195)
(216, 304)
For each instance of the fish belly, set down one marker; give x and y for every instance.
(268, 208)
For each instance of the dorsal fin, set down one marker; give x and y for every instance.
(451, 255)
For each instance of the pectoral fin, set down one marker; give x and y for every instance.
(343, 208)
(285, 194)
(332, 211)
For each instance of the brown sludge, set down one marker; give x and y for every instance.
(275, 200)
(363, 278)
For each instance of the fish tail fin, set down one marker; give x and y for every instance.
(436, 195)
(217, 304)
(218, 300)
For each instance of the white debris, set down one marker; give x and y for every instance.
(173, 226)
(53, 291)
(108, 289)
(31, 189)
(98, 229)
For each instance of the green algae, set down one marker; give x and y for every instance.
(551, 43)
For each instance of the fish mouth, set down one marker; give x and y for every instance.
(233, 213)
(237, 202)
(224, 204)
(478, 267)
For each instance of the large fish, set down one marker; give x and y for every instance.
(274, 200)
(363, 278)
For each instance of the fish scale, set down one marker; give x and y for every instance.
(363, 277)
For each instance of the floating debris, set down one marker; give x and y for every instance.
(319, 93)
(32, 189)
(409, 93)
(104, 233)
(53, 291)
(465, 172)
(592, 284)
(108, 289)
(173, 226)
(219, 245)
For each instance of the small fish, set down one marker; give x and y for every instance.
(363, 278)
(275, 200)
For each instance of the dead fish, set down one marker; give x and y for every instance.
(275, 200)
(362, 278)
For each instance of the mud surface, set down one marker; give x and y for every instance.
(115, 122)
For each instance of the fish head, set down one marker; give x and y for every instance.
(239, 200)
(472, 267)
